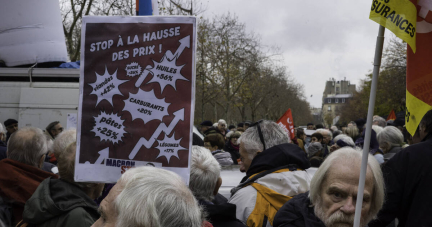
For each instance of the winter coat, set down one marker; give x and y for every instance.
(18, 182)
(297, 213)
(233, 151)
(224, 158)
(3, 148)
(389, 154)
(58, 203)
(221, 215)
(287, 183)
(196, 140)
(408, 180)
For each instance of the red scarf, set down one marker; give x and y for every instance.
(236, 147)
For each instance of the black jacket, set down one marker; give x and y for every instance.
(234, 152)
(221, 215)
(408, 179)
(59, 203)
(297, 212)
(3, 149)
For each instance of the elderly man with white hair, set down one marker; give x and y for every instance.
(222, 127)
(21, 171)
(63, 202)
(331, 200)
(274, 173)
(149, 196)
(327, 140)
(62, 141)
(204, 183)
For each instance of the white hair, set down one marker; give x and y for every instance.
(27, 145)
(66, 167)
(390, 137)
(348, 140)
(63, 140)
(215, 125)
(377, 128)
(204, 173)
(155, 197)
(326, 131)
(381, 121)
(2, 128)
(348, 156)
(334, 128)
(273, 135)
(222, 121)
(2, 132)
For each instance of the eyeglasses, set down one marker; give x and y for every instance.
(259, 132)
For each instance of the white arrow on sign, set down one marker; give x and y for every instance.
(178, 116)
(185, 42)
(103, 154)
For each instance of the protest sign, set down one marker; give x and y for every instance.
(137, 89)
(287, 123)
(398, 16)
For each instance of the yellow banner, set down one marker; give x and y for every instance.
(398, 16)
(416, 109)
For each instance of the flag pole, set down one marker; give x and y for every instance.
(377, 64)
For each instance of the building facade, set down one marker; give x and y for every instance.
(336, 94)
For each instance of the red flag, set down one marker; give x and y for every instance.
(419, 69)
(391, 116)
(287, 123)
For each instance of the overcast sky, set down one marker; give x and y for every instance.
(318, 39)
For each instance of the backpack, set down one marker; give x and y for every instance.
(268, 201)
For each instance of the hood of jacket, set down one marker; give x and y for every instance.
(55, 197)
(277, 156)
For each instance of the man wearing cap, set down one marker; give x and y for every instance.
(11, 126)
(207, 128)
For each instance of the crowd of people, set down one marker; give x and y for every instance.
(310, 179)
